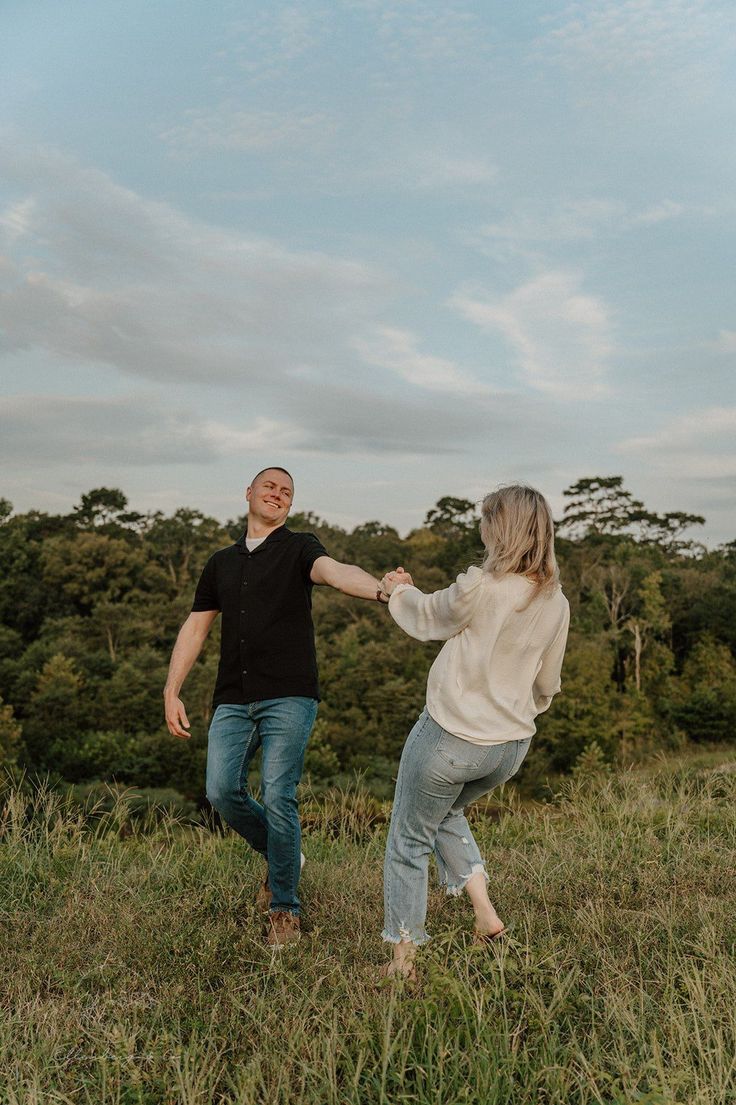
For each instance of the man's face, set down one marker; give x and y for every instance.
(270, 495)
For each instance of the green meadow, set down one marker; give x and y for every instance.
(134, 970)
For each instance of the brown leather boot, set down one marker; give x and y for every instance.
(283, 928)
(263, 894)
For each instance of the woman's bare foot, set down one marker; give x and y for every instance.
(483, 938)
(488, 924)
(402, 964)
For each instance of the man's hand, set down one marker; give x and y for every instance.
(176, 718)
(186, 650)
(393, 579)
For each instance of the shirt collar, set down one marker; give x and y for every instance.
(274, 536)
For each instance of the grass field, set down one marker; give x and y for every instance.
(133, 969)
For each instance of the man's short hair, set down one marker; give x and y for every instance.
(270, 468)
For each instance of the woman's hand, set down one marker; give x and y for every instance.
(393, 579)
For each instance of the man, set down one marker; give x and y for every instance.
(267, 689)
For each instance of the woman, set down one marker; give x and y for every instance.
(505, 625)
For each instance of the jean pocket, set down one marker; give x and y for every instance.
(458, 752)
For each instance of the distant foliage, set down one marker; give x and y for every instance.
(90, 604)
(10, 742)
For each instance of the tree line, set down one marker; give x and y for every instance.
(91, 602)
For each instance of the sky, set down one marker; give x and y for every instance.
(403, 249)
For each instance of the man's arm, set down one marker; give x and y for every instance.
(186, 650)
(348, 578)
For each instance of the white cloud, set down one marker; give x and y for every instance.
(101, 274)
(258, 434)
(699, 445)
(726, 341)
(433, 169)
(424, 33)
(268, 43)
(585, 220)
(228, 127)
(130, 431)
(659, 213)
(682, 38)
(395, 32)
(16, 219)
(145, 429)
(560, 335)
(571, 221)
(397, 351)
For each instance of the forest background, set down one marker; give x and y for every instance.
(91, 602)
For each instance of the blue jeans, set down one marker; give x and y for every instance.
(439, 775)
(281, 726)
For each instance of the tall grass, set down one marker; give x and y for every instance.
(134, 970)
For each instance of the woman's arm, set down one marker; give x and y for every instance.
(438, 616)
(547, 682)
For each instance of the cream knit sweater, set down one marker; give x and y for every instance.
(501, 664)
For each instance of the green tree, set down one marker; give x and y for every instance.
(94, 568)
(24, 599)
(585, 711)
(10, 736)
(55, 714)
(666, 530)
(452, 518)
(599, 505)
(705, 695)
(651, 623)
(106, 508)
(182, 544)
(457, 523)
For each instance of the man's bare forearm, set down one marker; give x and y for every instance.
(188, 646)
(352, 580)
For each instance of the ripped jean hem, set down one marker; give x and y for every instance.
(404, 936)
(456, 889)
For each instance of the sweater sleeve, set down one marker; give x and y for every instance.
(547, 681)
(438, 616)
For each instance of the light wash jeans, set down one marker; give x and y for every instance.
(439, 775)
(281, 726)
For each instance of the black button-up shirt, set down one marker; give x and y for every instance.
(267, 644)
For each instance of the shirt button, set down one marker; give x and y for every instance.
(242, 611)
(245, 673)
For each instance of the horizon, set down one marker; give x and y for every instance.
(692, 533)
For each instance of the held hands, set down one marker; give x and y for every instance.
(393, 579)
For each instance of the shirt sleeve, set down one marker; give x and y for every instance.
(547, 682)
(312, 549)
(438, 616)
(206, 597)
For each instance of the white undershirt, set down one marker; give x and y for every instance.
(252, 543)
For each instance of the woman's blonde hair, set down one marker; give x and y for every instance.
(518, 532)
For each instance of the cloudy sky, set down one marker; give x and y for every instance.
(404, 248)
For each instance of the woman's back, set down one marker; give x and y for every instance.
(501, 662)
